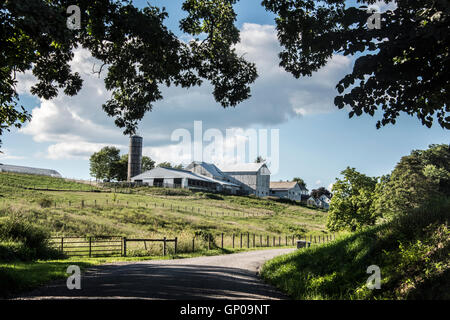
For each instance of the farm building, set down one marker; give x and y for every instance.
(254, 178)
(29, 170)
(210, 170)
(177, 178)
(287, 190)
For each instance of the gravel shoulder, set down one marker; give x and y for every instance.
(233, 276)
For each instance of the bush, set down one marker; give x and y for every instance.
(45, 203)
(21, 240)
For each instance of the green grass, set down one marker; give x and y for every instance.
(413, 253)
(55, 205)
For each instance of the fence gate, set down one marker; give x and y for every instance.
(88, 246)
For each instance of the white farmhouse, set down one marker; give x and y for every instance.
(288, 190)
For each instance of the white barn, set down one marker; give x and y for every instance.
(254, 178)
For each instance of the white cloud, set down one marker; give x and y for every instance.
(77, 125)
(76, 150)
(6, 155)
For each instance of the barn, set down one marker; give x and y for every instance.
(254, 178)
(29, 170)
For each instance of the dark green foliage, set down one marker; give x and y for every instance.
(401, 67)
(412, 251)
(21, 240)
(350, 207)
(317, 193)
(34, 37)
(106, 164)
(420, 178)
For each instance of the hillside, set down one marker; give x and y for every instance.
(413, 253)
(148, 212)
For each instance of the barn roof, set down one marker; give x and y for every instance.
(171, 173)
(282, 185)
(29, 170)
(243, 167)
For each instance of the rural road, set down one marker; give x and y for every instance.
(232, 276)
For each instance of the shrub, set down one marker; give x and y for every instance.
(24, 241)
(45, 202)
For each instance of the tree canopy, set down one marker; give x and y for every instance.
(350, 207)
(317, 193)
(401, 67)
(134, 46)
(104, 164)
(300, 182)
(419, 178)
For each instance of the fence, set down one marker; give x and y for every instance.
(123, 246)
(174, 208)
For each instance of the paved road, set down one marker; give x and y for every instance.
(232, 276)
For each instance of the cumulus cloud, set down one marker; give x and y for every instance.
(5, 154)
(77, 125)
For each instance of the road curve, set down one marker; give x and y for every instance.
(232, 276)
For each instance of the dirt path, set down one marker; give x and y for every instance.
(232, 276)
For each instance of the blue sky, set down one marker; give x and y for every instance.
(317, 140)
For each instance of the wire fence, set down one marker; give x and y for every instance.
(124, 246)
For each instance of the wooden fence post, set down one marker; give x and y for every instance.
(82, 203)
(62, 244)
(274, 241)
(254, 242)
(268, 244)
(233, 240)
(124, 246)
(90, 247)
(164, 246)
(260, 240)
(222, 240)
(193, 244)
(241, 240)
(176, 243)
(209, 242)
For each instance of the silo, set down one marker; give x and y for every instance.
(134, 157)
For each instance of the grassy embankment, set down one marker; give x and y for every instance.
(32, 200)
(412, 251)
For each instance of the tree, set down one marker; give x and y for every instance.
(122, 166)
(134, 46)
(166, 164)
(147, 163)
(317, 193)
(401, 66)
(300, 182)
(417, 179)
(104, 164)
(350, 207)
(260, 159)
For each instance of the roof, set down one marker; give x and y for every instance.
(244, 167)
(285, 185)
(282, 185)
(211, 168)
(171, 173)
(29, 170)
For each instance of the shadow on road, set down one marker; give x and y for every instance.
(154, 281)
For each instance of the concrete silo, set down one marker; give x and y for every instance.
(135, 157)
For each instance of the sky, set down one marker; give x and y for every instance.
(316, 139)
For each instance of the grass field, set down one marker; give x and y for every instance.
(149, 212)
(67, 208)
